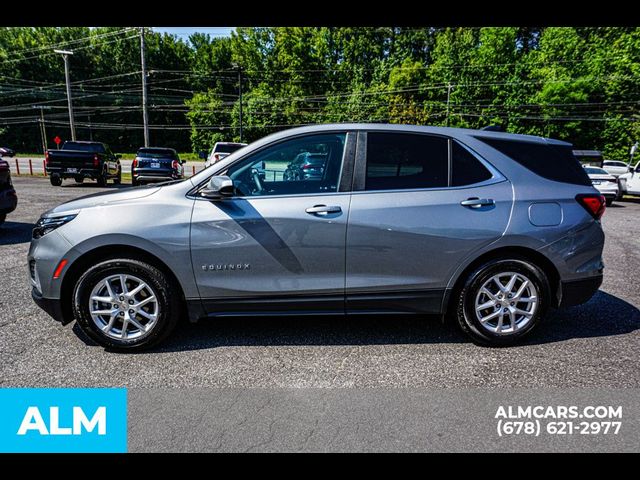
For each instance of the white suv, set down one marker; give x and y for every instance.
(221, 150)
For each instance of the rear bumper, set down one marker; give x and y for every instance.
(155, 175)
(52, 306)
(82, 172)
(576, 292)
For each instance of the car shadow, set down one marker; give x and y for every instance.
(94, 185)
(603, 316)
(12, 233)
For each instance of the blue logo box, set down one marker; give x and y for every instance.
(63, 420)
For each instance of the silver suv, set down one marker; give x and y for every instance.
(491, 228)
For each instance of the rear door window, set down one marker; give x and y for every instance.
(397, 161)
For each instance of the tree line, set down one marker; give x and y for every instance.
(577, 84)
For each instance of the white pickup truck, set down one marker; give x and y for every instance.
(630, 182)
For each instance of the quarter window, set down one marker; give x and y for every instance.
(466, 169)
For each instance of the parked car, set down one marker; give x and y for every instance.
(593, 158)
(7, 152)
(490, 228)
(156, 164)
(8, 196)
(306, 166)
(221, 150)
(616, 168)
(631, 181)
(604, 182)
(80, 160)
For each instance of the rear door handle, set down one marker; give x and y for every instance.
(323, 209)
(475, 202)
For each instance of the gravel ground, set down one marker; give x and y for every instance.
(593, 345)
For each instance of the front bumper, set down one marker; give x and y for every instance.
(576, 292)
(52, 306)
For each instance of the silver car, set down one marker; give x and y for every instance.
(487, 228)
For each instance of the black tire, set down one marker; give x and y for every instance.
(134, 182)
(162, 287)
(466, 315)
(3, 217)
(118, 179)
(79, 179)
(609, 202)
(55, 180)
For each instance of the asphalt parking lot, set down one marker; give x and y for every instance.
(593, 345)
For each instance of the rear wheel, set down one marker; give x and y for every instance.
(102, 179)
(55, 180)
(502, 301)
(609, 202)
(79, 179)
(125, 304)
(3, 217)
(135, 182)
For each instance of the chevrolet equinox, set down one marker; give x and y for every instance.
(489, 228)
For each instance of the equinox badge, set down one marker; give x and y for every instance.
(226, 266)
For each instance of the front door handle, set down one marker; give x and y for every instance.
(323, 209)
(476, 202)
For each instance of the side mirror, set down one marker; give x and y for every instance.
(218, 188)
(202, 155)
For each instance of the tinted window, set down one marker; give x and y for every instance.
(595, 171)
(615, 164)
(222, 148)
(84, 147)
(157, 153)
(554, 162)
(264, 172)
(404, 161)
(466, 169)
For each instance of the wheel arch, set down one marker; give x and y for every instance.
(99, 254)
(535, 257)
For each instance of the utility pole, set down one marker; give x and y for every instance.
(239, 67)
(90, 129)
(43, 131)
(145, 114)
(448, 100)
(65, 55)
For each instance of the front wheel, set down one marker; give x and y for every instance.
(609, 202)
(502, 301)
(118, 179)
(125, 304)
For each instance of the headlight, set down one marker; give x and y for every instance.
(49, 224)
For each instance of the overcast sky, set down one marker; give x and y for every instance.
(184, 32)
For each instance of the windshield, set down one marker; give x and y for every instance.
(84, 147)
(595, 171)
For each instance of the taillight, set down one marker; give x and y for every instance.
(135, 163)
(96, 160)
(307, 167)
(593, 203)
(175, 165)
(46, 158)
